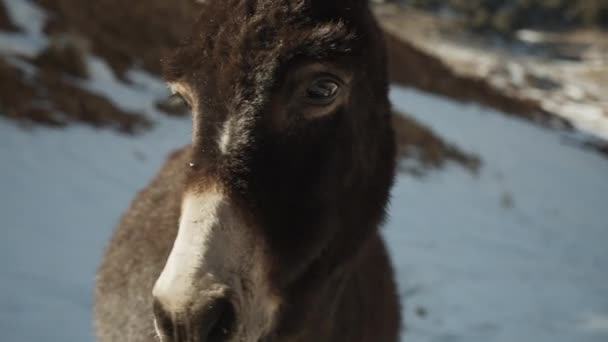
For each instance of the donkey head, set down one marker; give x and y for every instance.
(290, 166)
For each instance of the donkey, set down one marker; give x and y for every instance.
(266, 227)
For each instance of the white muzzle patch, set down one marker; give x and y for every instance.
(215, 253)
(176, 286)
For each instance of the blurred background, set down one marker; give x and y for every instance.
(498, 225)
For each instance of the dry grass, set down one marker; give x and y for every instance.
(415, 68)
(419, 143)
(130, 36)
(506, 17)
(51, 99)
(5, 22)
(138, 35)
(125, 34)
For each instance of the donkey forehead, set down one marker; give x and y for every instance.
(238, 43)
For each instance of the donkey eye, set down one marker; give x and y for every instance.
(177, 100)
(322, 91)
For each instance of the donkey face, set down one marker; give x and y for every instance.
(291, 162)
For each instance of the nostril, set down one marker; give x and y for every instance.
(163, 320)
(218, 321)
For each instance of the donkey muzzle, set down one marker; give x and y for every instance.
(213, 321)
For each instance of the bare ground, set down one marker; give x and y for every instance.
(6, 23)
(49, 98)
(413, 67)
(419, 143)
(557, 80)
(137, 36)
(124, 35)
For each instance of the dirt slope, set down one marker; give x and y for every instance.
(137, 36)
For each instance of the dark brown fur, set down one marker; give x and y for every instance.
(315, 190)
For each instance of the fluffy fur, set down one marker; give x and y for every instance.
(314, 190)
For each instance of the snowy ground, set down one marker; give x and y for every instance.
(573, 88)
(517, 253)
(62, 194)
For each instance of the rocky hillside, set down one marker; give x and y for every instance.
(508, 16)
(62, 63)
(555, 79)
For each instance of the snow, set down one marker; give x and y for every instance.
(30, 19)
(63, 191)
(484, 268)
(139, 96)
(571, 89)
(515, 253)
(584, 117)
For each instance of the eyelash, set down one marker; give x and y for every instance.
(321, 91)
(177, 97)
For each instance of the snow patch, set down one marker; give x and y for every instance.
(470, 268)
(596, 324)
(515, 254)
(140, 95)
(31, 19)
(585, 117)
